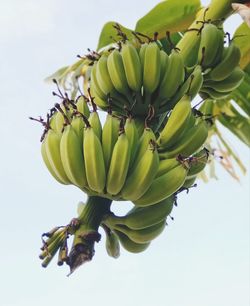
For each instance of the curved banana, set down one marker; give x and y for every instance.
(112, 243)
(94, 161)
(189, 182)
(142, 217)
(164, 186)
(211, 41)
(190, 142)
(130, 245)
(117, 73)
(132, 66)
(119, 164)
(230, 60)
(94, 121)
(164, 63)
(78, 125)
(52, 156)
(173, 78)
(197, 163)
(102, 76)
(144, 235)
(151, 70)
(196, 82)
(82, 106)
(214, 94)
(142, 175)
(228, 84)
(132, 136)
(176, 124)
(110, 133)
(72, 157)
(166, 165)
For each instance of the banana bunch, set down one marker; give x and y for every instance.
(140, 225)
(135, 78)
(222, 73)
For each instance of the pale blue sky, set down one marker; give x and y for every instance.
(202, 258)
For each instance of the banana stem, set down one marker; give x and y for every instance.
(218, 11)
(87, 233)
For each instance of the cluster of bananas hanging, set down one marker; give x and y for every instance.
(220, 64)
(128, 157)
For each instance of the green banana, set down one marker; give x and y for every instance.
(49, 167)
(112, 243)
(94, 161)
(230, 60)
(198, 162)
(189, 182)
(176, 124)
(53, 157)
(144, 235)
(130, 245)
(147, 136)
(196, 82)
(142, 175)
(117, 73)
(102, 76)
(228, 84)
(142, 217)
(119, 164)
(110, 133)
(164, 186)
(173, 78)
(82, 106)
(132, 66)
(78, 125)
(95, 123)
(214, 94)
(142, 54)
(72, 157)
(166, 165)
(211, 41)
(164, 63)
(132, 135)
(151, 70)
(190, 142)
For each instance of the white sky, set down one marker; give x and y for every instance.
(202, 258)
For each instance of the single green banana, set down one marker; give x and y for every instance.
(82, 106)
(110, 133)
(164, 63)
(49, 167)
(130, 245)
(143, 235)
(78, 125)
(119, 164)
(190, 142)
(214, 94)
(166, 165)
(142, 217)
(196, 82)
(142, 175)
(228, 84)
(173, 78)
(132, 66)
(151, 70)
(52, 149)
(95, 123)
(94, 161)
(230, 60)
(142, 54)
(164, 186)
(198, 163)
(102, 76)
(117, 73)
(176, 124)
(71, 152)
(189, 182)
(211, 41)
(132, 135)
(143, 143)
(112, 243)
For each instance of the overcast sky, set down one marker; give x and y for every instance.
(202, 258)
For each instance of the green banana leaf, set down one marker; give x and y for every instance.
(170, 15)
(242, 40)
